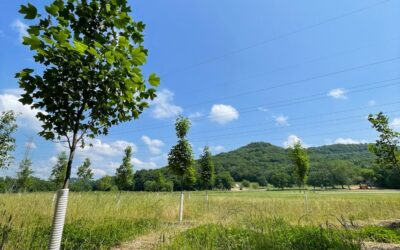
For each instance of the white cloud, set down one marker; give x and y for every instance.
(217, 149)
(371, 103)
(154, 145)
(395, 123)
(98, 172)
(99, 149)
(338, 93)
(138, 164)
(163, 106)
(26, 115)
(222, 114)
(282, 120)
(21, 27)
(349, 141)
(262, 109)
(292, 140)
(195, 115)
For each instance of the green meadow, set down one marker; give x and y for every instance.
(231, 220)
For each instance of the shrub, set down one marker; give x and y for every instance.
(246, 183)
(255, 186)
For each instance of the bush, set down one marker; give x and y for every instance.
(255, 186)
(246, 183)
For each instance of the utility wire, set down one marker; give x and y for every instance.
(279, 104)
(278, 37)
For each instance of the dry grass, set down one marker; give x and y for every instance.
(30, 211)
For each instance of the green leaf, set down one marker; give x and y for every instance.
(80, 47)
(61, 36)
(109, 57)
(138, 56)
(154, 80)
(92, 51)
(30, 11)
(33, 41)
(52, 9)
(108, 7)
(123, 41)
(98, 45)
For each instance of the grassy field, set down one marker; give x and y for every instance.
(232, 220)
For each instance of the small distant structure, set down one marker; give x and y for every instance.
(364, 186)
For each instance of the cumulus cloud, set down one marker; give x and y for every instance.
(338, 93)
(163, 106)
(138, 164)
(395, 123)
(99, 149)
(292, 140)
(349, 141)
(21, 28)
(222, 114)
(217, 149)
(154, 145)
(282, 120)
(97, 172)
(26, 115)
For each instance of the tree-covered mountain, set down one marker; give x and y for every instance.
(259, 159)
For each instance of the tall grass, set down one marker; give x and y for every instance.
(100, 220)
(275, 234)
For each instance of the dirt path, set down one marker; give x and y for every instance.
(154, 239)
(380, 246)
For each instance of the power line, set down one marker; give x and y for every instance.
(201, 137)
(319, 96)
(281, 36)
(299, 64)
(289, 83)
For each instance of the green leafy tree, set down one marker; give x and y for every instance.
(124, 174)
(301, 163)
(7, 142)
(206, 170)
(386, 148)
(160, 184)
(59, 170)
(92, 55)
(105, 183)
(180, 158)
(24, 175)
(224, 180)
(280, 179)
(85, 174)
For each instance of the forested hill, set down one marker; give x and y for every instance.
(261, 158)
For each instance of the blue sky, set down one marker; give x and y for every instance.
(243, 71)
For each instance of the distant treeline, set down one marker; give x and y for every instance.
(331, 166)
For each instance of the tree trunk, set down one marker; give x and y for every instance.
(181, 208)
(61, 203)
